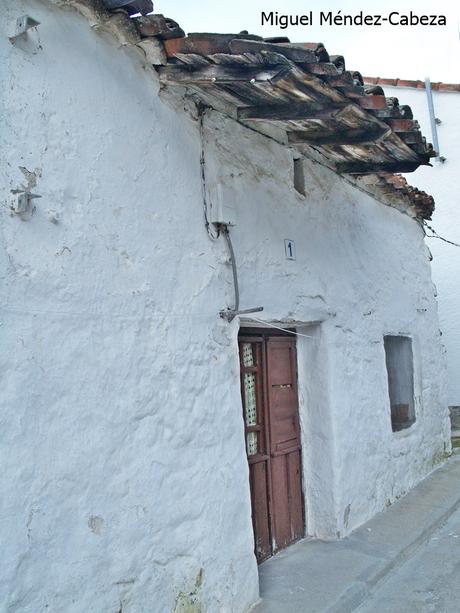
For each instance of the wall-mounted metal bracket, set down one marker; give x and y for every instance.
(230, 314)
(21, 202)
(23, 24)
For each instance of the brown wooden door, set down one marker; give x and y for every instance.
(270, 404)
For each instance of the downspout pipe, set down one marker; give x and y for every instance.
(434, 130)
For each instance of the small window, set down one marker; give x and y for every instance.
(299, 179)
(399, 362)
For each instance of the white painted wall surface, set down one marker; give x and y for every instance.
(120, 459)
(442, 182)
(124, 482)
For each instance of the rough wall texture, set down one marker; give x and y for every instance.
(442, 182)
(119, 458)
(124, 483)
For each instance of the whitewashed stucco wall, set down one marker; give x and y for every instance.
(124, 481)
(442, 182)
(120, 460)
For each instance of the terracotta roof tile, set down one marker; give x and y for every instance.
(436, 86)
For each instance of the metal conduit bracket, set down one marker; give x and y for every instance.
(22, 202)
(23, 24)
(230, 314)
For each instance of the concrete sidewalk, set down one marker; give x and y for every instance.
(336, 577)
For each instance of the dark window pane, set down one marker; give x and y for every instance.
(399, 363)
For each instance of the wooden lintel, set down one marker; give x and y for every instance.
(216, 74)
(350, 137)
(290, 111)
(362, 167)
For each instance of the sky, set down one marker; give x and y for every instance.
(411, 52)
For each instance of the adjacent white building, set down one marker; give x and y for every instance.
(441, 182)
(125, 480)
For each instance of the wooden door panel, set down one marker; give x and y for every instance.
(270, 407)
(284, 441)
(281, 513)
(252, 392)
(284, 431)
(295, 487)
(260, 512)
(287, 493)
(280, 363)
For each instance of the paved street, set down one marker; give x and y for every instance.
(429, 582)
(406, 559)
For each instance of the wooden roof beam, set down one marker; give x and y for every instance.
(369, 167)
(216, 73)
(287, 112)
(349, 137)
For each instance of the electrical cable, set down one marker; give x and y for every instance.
(266, 323)
(436, 235)
(201, 113)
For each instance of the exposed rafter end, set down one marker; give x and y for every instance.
(288, 112)
(363, 168)
(350, 137)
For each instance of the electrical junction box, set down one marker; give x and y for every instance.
(221, 202)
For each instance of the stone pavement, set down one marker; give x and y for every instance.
(362, 570)
(427, 583)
